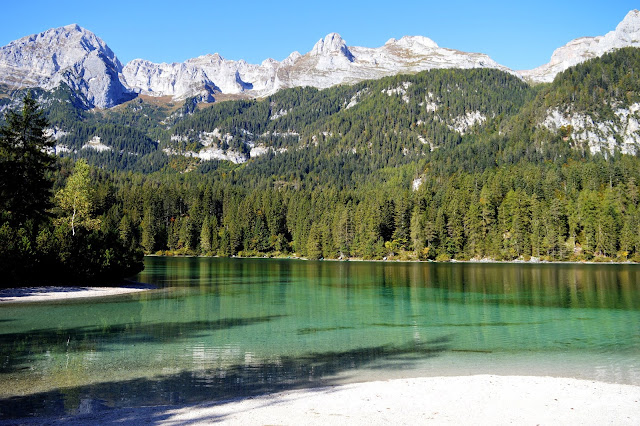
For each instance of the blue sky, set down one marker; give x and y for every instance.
(520, 35)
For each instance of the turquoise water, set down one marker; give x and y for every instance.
(222, 328)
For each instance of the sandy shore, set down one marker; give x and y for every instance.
(435, 400)
(51, 293)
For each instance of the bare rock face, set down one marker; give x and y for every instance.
(329, 62)
(76, 57)
(626, 34)
(202, 76)
(70, 55)
(332, 45)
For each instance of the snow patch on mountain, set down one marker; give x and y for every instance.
(278, 114)
(424, 141)
(430, 103)
(59, 149)
(258, 150)
(210, 153)
(417, 183)
(214, 153)
(55, 133)
(287, 134)
(355, 99)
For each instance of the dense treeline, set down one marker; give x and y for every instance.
(497, 185)
(49, 231)
(570, 211)
(598, 86)
(506, 191)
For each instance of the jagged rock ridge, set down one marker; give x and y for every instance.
(76, 57)
(330, 62)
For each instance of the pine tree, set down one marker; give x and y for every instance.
(25, 161)
(314, 243)
(148, 231)
(205, 236)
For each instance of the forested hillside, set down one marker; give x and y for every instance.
(445, 164)
(371, 125)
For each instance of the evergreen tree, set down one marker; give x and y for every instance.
(205, 236)
(25, 164)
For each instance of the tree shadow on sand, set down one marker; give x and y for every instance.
(214, 386)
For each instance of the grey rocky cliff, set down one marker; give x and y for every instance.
(329, 62)
(70, 55)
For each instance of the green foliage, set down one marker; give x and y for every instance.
(336, 181)
(34, 247)
(25, 164)
(74, 200)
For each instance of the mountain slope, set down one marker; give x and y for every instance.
(367, 126)
(591, 110)
(394, 120)
(480, 117)
(69, 55)
(596, 105)
(626, 34)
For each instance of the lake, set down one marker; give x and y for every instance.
(223, 328)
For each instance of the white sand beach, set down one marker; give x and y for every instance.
(485, 399)
(52, 293)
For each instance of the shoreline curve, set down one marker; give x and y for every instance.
(482, 399)
(60, 293)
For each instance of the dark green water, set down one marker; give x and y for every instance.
(222, 328)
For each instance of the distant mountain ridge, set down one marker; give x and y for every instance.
(76, 57)
(330, 62)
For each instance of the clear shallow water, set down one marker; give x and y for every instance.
(222, 328)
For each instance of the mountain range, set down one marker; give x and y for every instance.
(77, 58)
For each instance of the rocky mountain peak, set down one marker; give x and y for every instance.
(72, 40)
(76, 57)
(71, 55)
(332, 44)
(292, 58)
(629, 28)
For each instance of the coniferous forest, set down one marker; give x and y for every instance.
(441, 165)
(52, 233)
